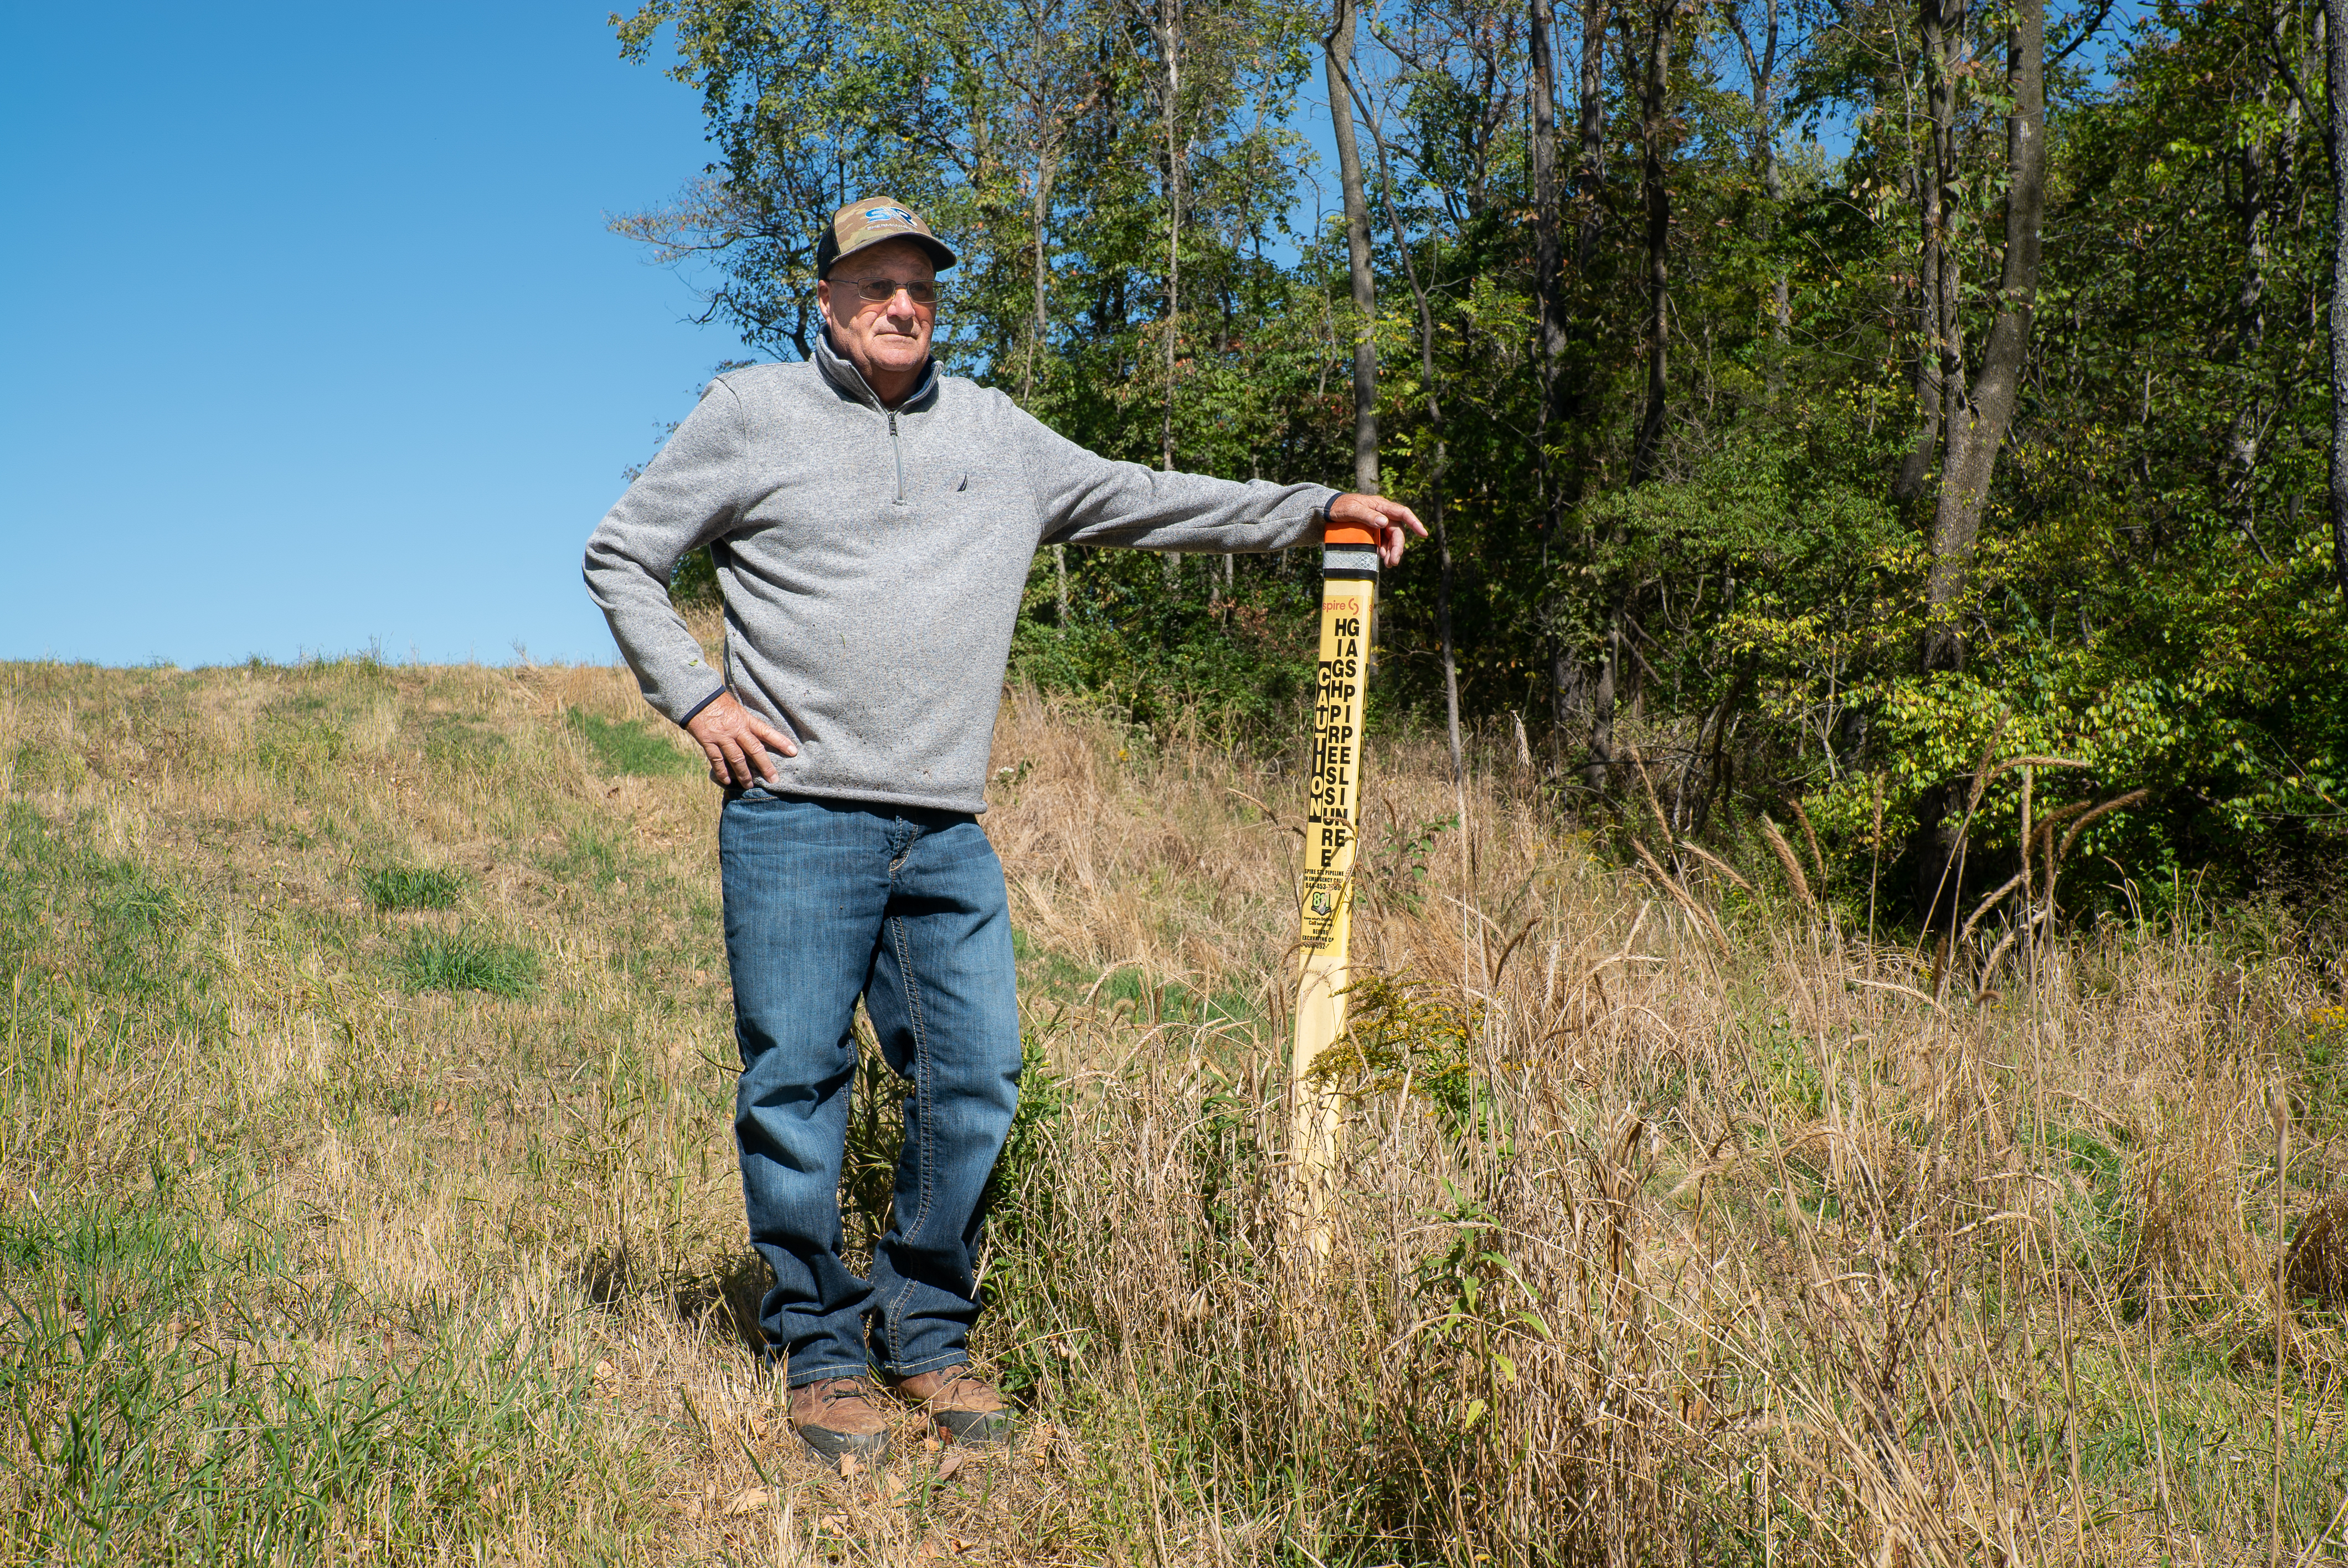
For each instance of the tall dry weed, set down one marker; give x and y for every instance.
(1676, 1225)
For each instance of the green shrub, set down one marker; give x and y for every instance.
(464, 962)
(412, 887)
(1240, 671)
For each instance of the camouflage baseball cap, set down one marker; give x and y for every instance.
(860, 225)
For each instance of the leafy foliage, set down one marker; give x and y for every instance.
(1405, 1036)
(1741, 622)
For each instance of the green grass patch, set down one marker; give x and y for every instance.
(391, 887)
(435, 961)
(112, 925)
(139, 1431)
(630, 746)
(587, 859)
(46, 768)
(464, 744)
(301, 748)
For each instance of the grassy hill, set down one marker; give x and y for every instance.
(367, 1184)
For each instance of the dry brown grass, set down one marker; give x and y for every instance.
(1679, 1222)
(1710, 1234)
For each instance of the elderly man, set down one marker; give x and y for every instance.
(872, 523)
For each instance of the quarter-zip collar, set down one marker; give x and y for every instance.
(841, 371)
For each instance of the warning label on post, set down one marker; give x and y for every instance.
(1336, 778)
(1325, 893)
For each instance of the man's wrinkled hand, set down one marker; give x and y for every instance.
(737, 741)
(1388, 518)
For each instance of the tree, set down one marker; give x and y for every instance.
(2335, 13)
(1978, 404)
(1337, 53)
(1758, 469)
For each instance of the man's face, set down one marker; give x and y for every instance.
(889, 335)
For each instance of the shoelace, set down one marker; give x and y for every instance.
(843, 1390)
(955, 1376)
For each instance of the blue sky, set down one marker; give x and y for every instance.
(313, 339)
(311, 334)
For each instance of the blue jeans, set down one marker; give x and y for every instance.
(827, 901)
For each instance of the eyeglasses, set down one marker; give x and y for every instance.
(876, 290)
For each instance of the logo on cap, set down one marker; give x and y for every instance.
(883, 214)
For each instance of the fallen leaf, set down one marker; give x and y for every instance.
(931, 1445)
(849, 1468)
(749, 1501)
(950, 1464)
(894, 1484)
(604, 1369)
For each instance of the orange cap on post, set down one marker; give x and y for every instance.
(1349, 534)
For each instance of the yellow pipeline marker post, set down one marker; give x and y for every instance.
(1349, 591)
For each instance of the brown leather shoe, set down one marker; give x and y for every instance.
(837, 1417)
(966, 1407)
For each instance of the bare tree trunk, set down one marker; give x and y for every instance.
(1564, 396)
(1619, 679)
(1568, 678)
(1046, 159)
(1654, 131)
(1428, 384)
(1165, 25)
(1937, 30)
(1337, 58)
(1549, 249)
(1169, 27)
(2245, 428)
(1598, 772)
(1590, 173)
(1043, 206)
(2335, 48)
(1978, 415)
(1549, 297)
(1761, 71)
(1981, 413)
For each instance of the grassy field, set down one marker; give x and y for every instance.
(366, 1186)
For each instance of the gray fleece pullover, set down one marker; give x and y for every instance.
(872, 563)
